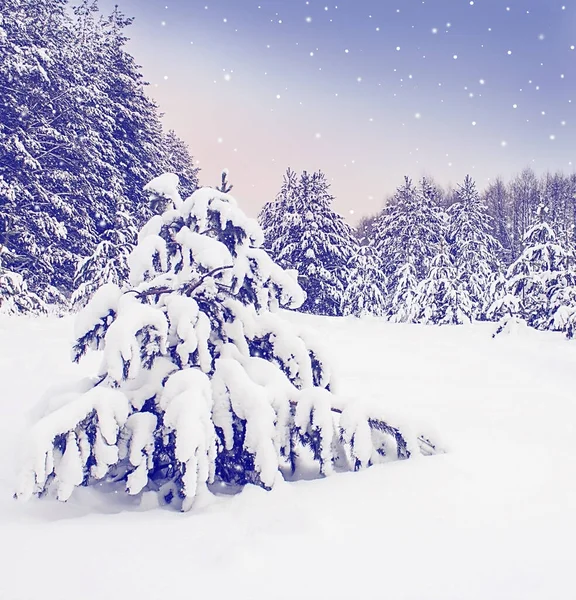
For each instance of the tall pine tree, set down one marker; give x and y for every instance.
(78, 135)
(366, 290)
(473, 248)
(303, 233)
(407, 236)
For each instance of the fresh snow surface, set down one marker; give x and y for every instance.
(493, 518)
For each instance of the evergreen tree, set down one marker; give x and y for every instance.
(200, 383)
(365, 294)
(109, 262)
(36, 156)
(501, 304)
(304, 233)
(273, 216)
(403, 306)
(407, 236)
(562, 304)
(472, 247)
(78, 135)
(538, 272)
(443, 297)
(15, 298)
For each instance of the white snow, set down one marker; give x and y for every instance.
(492, 518)
(166, 185)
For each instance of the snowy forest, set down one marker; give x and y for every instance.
(505, 254)
(393, 394)
(166, 268)
(80, 140)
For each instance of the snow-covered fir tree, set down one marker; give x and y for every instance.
(15, 297)
(366, 292)
(272, 217)
(403, 305)
(501, 303)
(407, 236)
(473, 248)
(303, 233)
(443, 297)
(562, 303)
(539, 273)
(109, 262)
(201, 385)
(78, 134)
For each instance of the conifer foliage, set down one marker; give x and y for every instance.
(541, 279)
(15, 297)
(304, 233)
(407, 237)
(443, 298)
(473, 248)
(201, 384)
(78, 135)
(109, 262)
(365, 294)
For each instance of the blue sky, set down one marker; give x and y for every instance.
(368, 91)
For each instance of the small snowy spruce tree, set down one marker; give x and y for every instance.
(473, 248)
(365, 294)
(502, 303)
(303, 233)
(273, 216)
(503, 307)
(403, 307)
(442, 297)
(201, 386)
(562, 303)
(539, 274)
(407, 236)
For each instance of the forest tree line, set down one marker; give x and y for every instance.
(80, 138)
(434, 257)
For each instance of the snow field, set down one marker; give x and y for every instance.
(492, 518)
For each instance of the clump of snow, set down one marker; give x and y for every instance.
(101, 308)
(110, 409)
(166, 185)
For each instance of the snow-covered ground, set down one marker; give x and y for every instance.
(494, 517)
